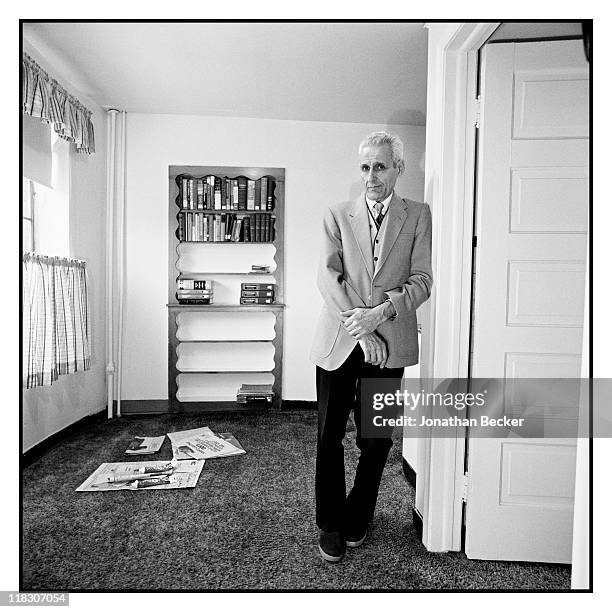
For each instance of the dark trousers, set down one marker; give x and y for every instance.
(338, 392)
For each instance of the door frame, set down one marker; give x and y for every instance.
(449, 189)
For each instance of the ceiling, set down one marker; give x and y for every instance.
(344, 72)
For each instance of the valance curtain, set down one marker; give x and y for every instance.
(55, 318)
(45, 98)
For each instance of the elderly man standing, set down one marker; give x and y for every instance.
(375, 271)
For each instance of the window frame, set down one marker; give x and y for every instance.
(31, 219)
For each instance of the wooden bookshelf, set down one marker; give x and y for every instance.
(210, 335)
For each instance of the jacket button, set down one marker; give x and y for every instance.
(376, 259)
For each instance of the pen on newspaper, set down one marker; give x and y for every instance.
(152, 482)
(143, 472)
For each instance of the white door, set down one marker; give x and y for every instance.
(531, 224)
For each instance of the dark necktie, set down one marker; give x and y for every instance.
(379, 214)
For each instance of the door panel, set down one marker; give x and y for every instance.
(531, 222)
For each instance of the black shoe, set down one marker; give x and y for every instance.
(331, 546)
(356, 538)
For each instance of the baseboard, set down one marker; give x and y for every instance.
(417, 522)
(298, 405)
(138, 407)
(38, 450)
(409, 473)
(145, 407)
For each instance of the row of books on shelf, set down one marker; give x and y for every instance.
(226, 227)
(223, 193)
(194, 291)
(251, 393)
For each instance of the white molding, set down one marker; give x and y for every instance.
(449, 171)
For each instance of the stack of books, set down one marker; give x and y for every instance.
(257, 293)
(192, 291)
(252, 393)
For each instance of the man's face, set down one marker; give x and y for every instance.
(377, 171)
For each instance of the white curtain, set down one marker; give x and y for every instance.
(55, 318)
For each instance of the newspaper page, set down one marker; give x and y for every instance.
(180, 451)
(228, 437)
(141, 445)
(209, 447)
(123, 476)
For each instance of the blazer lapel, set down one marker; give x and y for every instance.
(361, 229)
(396, 216)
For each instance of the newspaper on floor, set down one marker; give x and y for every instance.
(181, 452)
(138, 475)
(211, 447)
(141, 445)
(228, 437)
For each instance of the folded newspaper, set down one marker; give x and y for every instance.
(144, 446)
(144, 475)
(179, 450)
(203, 443)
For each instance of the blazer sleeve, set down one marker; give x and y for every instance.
(337, 293)
(417, 288)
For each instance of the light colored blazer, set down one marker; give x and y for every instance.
(348, 278)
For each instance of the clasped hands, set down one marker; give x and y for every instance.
(361, 323)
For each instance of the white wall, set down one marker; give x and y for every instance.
(320, 159)
(47, 410)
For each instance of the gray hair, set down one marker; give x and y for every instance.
(378, 139)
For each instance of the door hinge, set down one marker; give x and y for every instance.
(477, 112)
(464, 492)
(474, 241)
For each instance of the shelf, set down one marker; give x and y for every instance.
(226, 307)
(188, 274)
(219, 211)
(223, 371)
(224, 341)
(238, 332)
(226, 241)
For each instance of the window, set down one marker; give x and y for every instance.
(45, 220)
(28, 225)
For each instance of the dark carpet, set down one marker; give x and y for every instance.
(249, 523)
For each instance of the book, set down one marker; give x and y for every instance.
(194, 301)
(217, 192)
(257, 286)
(194, 293)
(256, 293)
(250, 195)
(257, 194)
(242, 192)
(236, 229)
(261, 269)
(192, 283)
(270, 194)
(234, 194)
(254, 392)
(228, 193)
(263, 196)
(192, 194)
(246, 231)
(256, 300)
(184, 195)
(200, 194)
